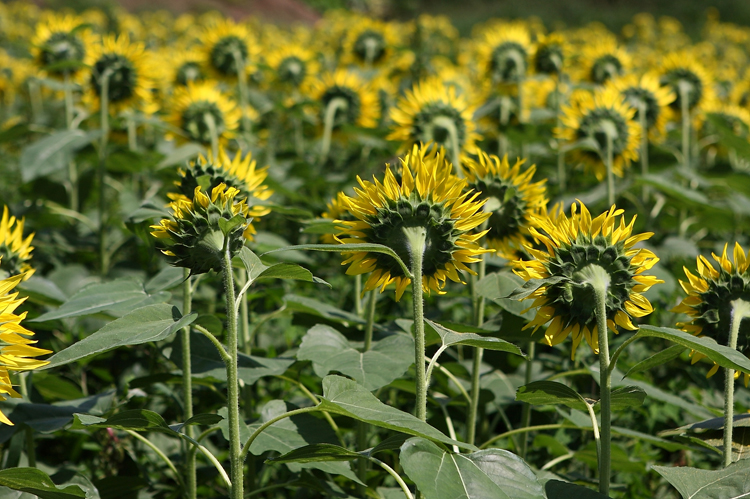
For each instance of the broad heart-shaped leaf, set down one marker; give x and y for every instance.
(551, 393)
(450, 337)
(47, 418)
(491, 473)
(206, 362)
(150, 323)
(51, 153)
(37, 482)
(349, 398)
(498, 287)
(329, 351)
(258, 270)
(733, 482)
(167, 278)
(657, 359)
(291, 433)
(116, 297)
(316, 453)
(724, 356)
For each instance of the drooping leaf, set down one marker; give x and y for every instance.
(318, 308)
(450, 337)
(693, 483)
(657, 359)
(116, 297)
(551, 393)
(491, 473)
(37, 482)
(166, 279)
(180, 155)
(52, 153)
(317, 453)
(150, 323)
(258, 270)
(722, 355)
(626, 396)
(330, 351)
(348, 398)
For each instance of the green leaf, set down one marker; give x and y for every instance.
(150, 323)
(206, 362)
(450, 337)
(491, 473)
(37, 482)
(727, 137)
(529, 287)
(556, 489)
(116, 297)
(180, 155)
(291, 433)
(167, 278)
(693, 483)
(657, 359)
(52, 153)
(330, 351)
(627, 396)
(348, 248)
(257, 270)
(204, 419)
(551, 393)
(724, 356)
(675, 190)
(227, 226)
(319, 309)
(498, 287)
(317, 453)
(348, 398)
(135, 419)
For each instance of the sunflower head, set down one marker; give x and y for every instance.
(182, 66)
(203, 228)
(512, 199)
(597, 117)
(563, 298)
(60, 44)
(504, 51)
(428, 198)
(356, 100)
(229, 47)
(646, 94)
(602, 61)
(15, 250)
(682, 73)
(127, 69)
(200, 110)
(430, 113)
(291, 65)
(551, 54)
(709, 299)
(369, 42)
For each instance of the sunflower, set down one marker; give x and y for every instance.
(428, 196)
(130, 69)
(593, 118)
(15, 250)
(200, 107)
(645, 92)
(203, 227)
(369, 43)
(239, 173)
(552, 52)
(732, 117)
(225, 45)
(183, 65)
(684, 75)
(16, 350)
(572, 244)
(357, 101)
(337, 209)
(504, 52)
(602, 60)
(291, 66)
(709, 300)
(60, 45)
(430, 112)
(511, 199)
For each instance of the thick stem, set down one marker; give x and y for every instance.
(610, 171)
(233, 401)
(416, 238)
(72, 170)
(362, 437)
(740, 311)
(261, 428)
(104, 105)
(684, 90)
(449, 125)
(213, 132)
(132, 131)
(358, 295)
(187, 386)
(329, 119)
(478, 302)
(526, 411)
(644, 147)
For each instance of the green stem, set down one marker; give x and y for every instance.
(358, 295)
(104, 105)
(478, 302)
(28, 431)
(526, 411)
(416, 237)
(395, 476)
(740, 311)
(684, 89)
(595, 427)
(72, 170)
(159, 453)
(35, 98)
(510, 433)
(213, 132)
(610, 171)
(561, 173)
(455, 144)
(245, 342)
(618, 351)
(333, 106)
(239, 63)
(225, 356)
(233, 400)
(362, 437)
(644, 147)
(187, 385)
(132, 132)
(196, 446)
(268, 423)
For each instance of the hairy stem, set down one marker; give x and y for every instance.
(187, 386)
(416, 238)
(740, 311)
(336, 104)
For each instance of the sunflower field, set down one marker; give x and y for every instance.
(212, 230)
